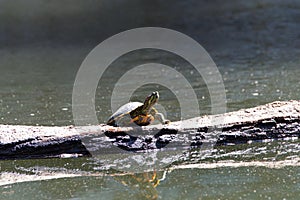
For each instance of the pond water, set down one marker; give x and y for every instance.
(256, 47)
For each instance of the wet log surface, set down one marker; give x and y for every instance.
(275, 120)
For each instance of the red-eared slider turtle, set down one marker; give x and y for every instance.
(141, 114)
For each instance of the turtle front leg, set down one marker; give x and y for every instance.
(161, 118)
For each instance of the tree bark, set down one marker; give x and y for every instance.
(275, 120)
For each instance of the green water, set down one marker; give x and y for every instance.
(225, 183)
(255, 46)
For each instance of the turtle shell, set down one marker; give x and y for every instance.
(123, 112)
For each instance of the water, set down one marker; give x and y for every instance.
(269, 170)
(256, 48)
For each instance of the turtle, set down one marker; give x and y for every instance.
(141, 114)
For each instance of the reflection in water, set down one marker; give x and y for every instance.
(77, 177)
(142, 185)
(145, 183)
(181, 182)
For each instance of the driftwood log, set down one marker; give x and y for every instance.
(267, 122)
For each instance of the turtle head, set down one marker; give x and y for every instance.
(150, 101)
